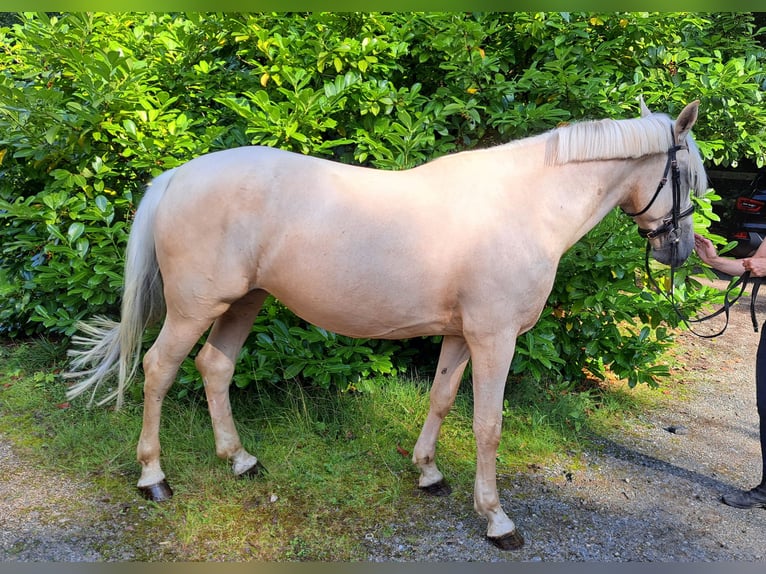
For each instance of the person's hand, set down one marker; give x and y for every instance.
(709, 255)
(756, 266)
(705, 249)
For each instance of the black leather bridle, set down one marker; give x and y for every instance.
(671, 223)
(672, 226)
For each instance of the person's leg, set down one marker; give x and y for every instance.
(760, 399)
(756, 497)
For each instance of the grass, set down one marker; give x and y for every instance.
(338, 463)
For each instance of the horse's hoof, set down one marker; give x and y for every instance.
(511, 541)
(255, 471)
(159, 492)
(440, 488)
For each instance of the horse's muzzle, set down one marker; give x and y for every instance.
(675, 247)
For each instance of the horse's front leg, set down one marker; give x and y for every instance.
(453, 359)
(491, 360)
(216, 362)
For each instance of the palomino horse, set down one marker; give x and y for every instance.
(465, 246)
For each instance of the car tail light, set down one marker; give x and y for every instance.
(749, 205)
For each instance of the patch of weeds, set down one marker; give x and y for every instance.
(40, 353)
(300, 550)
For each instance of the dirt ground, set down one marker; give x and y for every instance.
(645, 495)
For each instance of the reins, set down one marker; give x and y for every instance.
(725, 309)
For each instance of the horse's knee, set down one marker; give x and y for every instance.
(488, 433)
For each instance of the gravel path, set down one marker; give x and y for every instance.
(647, 495)
(46, 518)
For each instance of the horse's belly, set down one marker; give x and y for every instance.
(370, 315)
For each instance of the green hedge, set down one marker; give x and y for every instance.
(94, 105)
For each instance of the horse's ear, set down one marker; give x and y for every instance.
(644, 110)
(685, 121)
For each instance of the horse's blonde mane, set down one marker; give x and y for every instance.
(620, 139)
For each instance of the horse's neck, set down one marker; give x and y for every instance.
(565, 200)
(562, 201)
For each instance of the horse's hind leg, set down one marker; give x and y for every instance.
(176, 339)
(453, 359)
(215, 363)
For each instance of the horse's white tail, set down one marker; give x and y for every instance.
(106, 348)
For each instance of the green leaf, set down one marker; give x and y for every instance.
(102, 203)
(293, 370)
(75, 230)
(130, 126)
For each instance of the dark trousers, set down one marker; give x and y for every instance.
(760, 394)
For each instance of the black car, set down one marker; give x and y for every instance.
(748, 226)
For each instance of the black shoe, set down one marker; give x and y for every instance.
(755, 498)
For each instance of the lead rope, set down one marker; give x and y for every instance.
(756, 285)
